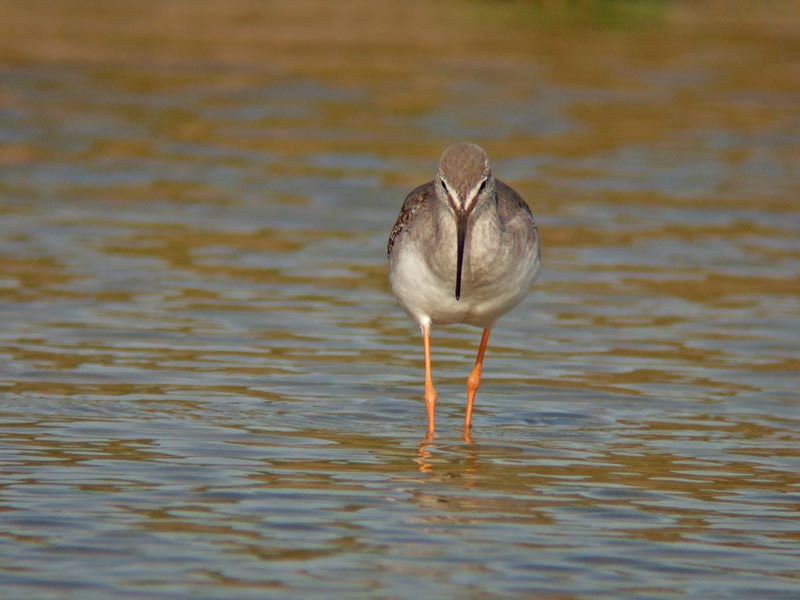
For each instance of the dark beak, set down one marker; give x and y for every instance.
(462, 217)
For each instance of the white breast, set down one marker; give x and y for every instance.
(430, 299)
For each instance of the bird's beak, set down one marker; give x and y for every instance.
(462, 217)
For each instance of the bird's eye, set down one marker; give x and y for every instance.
(483, 186)
(444, 185)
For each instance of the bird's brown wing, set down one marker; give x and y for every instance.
(415, 200)
(511, 202)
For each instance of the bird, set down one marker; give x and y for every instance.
(464, 249)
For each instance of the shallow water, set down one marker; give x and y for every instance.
(208, 390)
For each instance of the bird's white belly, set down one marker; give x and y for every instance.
(430, 298)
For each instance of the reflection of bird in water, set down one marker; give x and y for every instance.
(426, 461)
(465, 249)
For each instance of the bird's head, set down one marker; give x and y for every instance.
(463, 182)
(464, 178)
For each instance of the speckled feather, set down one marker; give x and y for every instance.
(415, 200)
(424, 193)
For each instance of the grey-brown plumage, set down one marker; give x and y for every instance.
(417, 198)
(423, 193)
(464, 249)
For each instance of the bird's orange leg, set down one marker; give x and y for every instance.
(474, 379)
(430, 391)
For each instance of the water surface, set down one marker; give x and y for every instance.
(208, 390)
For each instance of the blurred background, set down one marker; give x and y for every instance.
(208, 391)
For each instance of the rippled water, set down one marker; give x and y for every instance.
(209, 392)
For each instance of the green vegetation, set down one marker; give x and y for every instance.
(600, 14)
